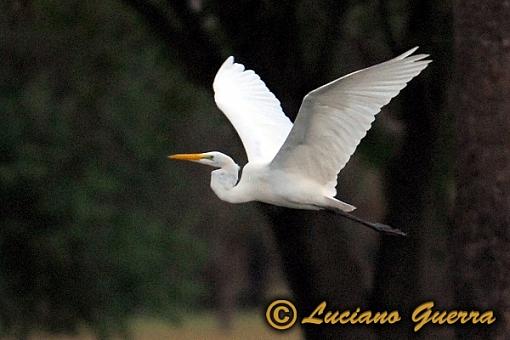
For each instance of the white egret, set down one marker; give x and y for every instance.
(296, 165)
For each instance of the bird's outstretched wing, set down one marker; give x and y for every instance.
(334, 118)
(252, 109)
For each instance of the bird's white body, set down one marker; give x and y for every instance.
(296, 165)
(264, 183)
(261, 183)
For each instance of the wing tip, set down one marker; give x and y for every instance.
(416, 58)
(409, 52)
(228, 62)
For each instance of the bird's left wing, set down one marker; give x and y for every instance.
(252, 109)
(334, 118)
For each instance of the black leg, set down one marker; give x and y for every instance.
(382, 228)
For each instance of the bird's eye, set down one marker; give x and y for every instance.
(210, 157)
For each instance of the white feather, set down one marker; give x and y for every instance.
(335, 117)
(252, 109)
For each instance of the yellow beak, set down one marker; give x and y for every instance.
(187, 156)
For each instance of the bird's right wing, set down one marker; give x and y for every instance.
(252, 109)
(334, 118)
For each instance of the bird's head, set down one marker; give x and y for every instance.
(214, 158)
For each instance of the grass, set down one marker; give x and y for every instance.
(245, 326)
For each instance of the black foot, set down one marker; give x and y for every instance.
(386, 229)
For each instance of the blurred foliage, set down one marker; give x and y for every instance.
(86, 235)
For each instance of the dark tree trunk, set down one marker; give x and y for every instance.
(401, 281)
(481, 103)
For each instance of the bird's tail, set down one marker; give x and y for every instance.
(338, 205)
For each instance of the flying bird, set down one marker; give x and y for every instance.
(296, 165)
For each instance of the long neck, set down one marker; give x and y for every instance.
(223, 182)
